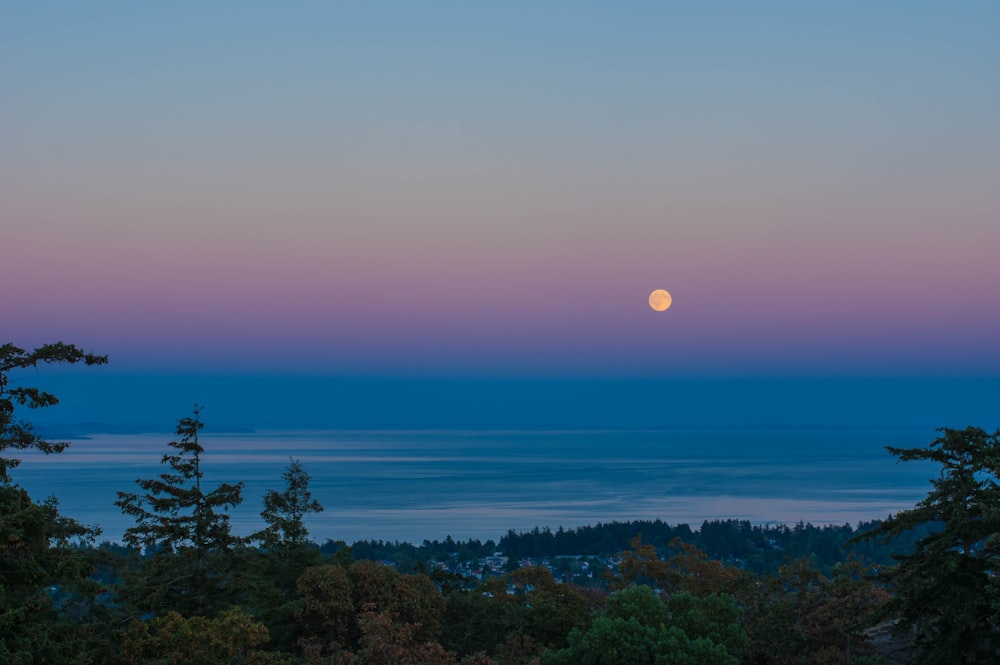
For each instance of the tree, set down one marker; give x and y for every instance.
(232, 637)
(801, 616)
(334, 599)
(552, 610)
(15, 433)
(482, 619)
(689, 569)
(186, 529)
(38, 565)
(175, 512)
(283, 511)
(326, 616)
(948, 590)
(384, 640)
(42, 579)
(640, 629)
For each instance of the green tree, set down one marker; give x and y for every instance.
(551, 610)
(39, 565)
(37, 562)
(264, 584)
(334, 598)
(326, 616)
(283, 511)
(232, 637)
(15, 433)
(481, 619)
(948, 590)
(637, 628)
(175, 512)
(186, 528)
(800, 616)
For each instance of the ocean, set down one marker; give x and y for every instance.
(411, 485)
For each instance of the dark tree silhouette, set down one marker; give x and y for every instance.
(38, 563)
(284, 511)
(176, 512)
(186, 530)
(17, 434)
(948, 590)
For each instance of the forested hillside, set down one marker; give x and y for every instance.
(759, 548)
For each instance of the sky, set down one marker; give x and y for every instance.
(396, 213)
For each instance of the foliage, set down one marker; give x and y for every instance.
(482, 619)
(802, 617)
(638, 628)
(42, 578)
(15, 433)
(407, 555)
(758, 548)
(325, 615)
(335, 598)
(185, 530)
(284, 511)
(948, 589)
(44, 583)
(385, 640)
(175, 512)
(172, 639)
(552, 610)
(715, 617)
(263, 583)
(599, 539)
(688, 569)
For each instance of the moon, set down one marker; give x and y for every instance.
(660, 300)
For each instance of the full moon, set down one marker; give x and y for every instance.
(660, 300)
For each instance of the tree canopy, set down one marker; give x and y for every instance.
(186, 528)
(948, 590)
(175, 511)
(284, 511)
(37, 559)
(18, 434)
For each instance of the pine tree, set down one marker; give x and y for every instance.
(185, 532)
(284, 511)
(175, 512)
(15, 433)
(948, 590)
(38, 564)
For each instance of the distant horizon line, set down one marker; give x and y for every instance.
(82, 431)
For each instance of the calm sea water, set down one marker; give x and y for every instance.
(416, 485)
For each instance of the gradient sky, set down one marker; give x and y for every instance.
(362, 191)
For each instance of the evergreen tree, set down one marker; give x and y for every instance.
(284, 511)
(43, 578)
(948, 590)
(175, 512)
(186, 529)
(267, 582)
(15, 433)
